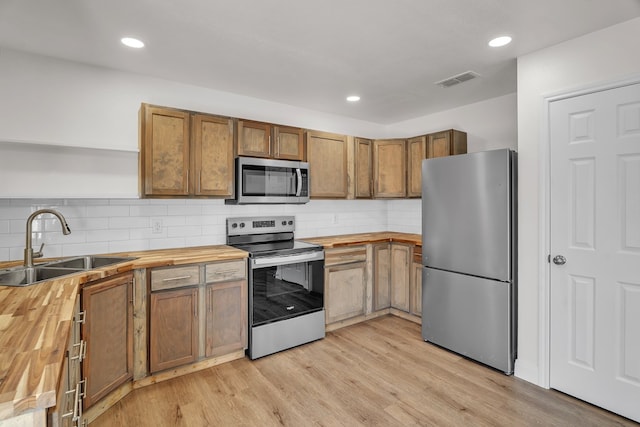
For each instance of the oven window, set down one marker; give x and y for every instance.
(268, 181)
(284, 291)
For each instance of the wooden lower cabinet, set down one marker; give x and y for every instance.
(345, 291)
(173, 328)
(108, 334)
(400, 276)
(381, 276)
(226, 318)
(415, 307)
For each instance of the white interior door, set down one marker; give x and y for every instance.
(595, 227)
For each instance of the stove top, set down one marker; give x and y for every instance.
(266, 236)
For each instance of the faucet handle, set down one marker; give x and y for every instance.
(39, 254)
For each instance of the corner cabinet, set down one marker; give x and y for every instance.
(400, 274)
(258, 139)
(381, 276)
(108, 334)
(327, 157)
(416, 153)
(184, 153)
(363, 168)
(389, 168)
(446, 143)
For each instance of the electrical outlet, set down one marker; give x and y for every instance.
(156, 226)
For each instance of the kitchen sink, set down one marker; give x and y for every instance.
(24, 276)
(89, 262)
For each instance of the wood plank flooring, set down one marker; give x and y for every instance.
(376, 373)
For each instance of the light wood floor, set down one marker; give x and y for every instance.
(377, 373)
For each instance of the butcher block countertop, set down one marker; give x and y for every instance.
(35, 322)
(365, 238)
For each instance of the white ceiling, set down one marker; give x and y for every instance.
(312, 54)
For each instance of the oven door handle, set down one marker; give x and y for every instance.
(286, 259)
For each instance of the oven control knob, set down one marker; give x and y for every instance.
(234, 225)
(290, 222)
(242, 225)
(284, 222)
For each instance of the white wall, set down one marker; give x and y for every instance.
(600, 57)
(489, 124)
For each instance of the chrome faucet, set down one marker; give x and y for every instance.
(29, 254)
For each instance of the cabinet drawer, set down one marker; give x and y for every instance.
(224, 271)
(174, 277)
(417, 254)
(349, 254)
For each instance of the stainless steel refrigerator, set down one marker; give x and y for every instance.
(469, 242)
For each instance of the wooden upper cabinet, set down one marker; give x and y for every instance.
(363, 168)
(288, 143)
(446, 143)
(416, 152)
(257, 139)
(185, 154)
(327, 157)
(389, 168)
(254, 139)
(164, 151)
(213, 155)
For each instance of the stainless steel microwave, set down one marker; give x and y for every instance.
(262, 181)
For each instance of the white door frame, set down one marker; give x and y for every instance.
(544, 295)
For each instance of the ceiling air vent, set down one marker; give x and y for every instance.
(463, 77)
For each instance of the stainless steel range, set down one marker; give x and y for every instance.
(286, 283)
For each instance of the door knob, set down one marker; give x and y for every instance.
(559, 260)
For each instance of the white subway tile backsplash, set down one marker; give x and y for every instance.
(122, 225)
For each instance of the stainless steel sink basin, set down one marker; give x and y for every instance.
(24, 276)
(89, 262)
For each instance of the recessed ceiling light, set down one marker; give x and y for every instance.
(500, 41)
(353, 98)
(131, 42)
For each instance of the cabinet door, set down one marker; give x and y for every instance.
(363, 166)
(447, 143)
(254, 139)
(226, 318)
(173, 328)
(416, 289)
(327, 157)
(108, 333)
(288, 143)
(213, 155)
(389, 168)
(400, 275)
(381, 277)
(416, 152)
(345, 291)
(164, 156)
